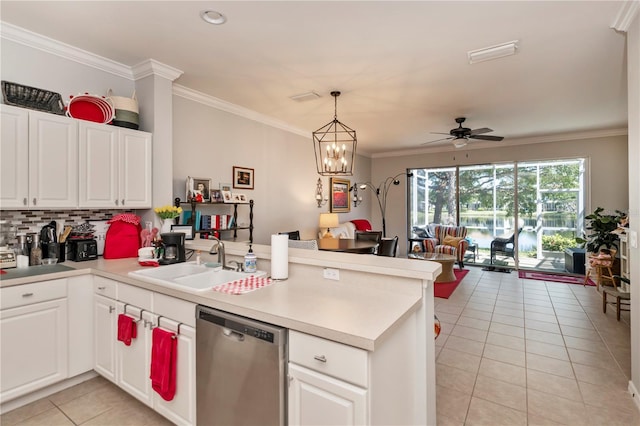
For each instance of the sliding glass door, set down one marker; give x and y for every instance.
(539, 204)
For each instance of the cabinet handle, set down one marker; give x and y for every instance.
(24, 201)
(27, 295)
(320, 358)
(123, 201)
(111, 309)
(117, 202)
(34, 201)
(101, 288)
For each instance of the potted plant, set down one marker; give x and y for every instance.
(600, 227)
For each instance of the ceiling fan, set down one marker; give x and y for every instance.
(460, 135)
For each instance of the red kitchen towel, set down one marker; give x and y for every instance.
(244, 285)
(127, 329)
(164, 354)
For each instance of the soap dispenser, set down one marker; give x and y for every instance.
(250, 260)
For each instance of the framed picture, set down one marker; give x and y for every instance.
(242, 177)
(198, 188)
(187, 229)
(225, 187)
(227, 197)
(216, 196)
(239, 198)
(340, 196)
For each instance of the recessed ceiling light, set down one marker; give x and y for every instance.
(493, 52)
(213, 17)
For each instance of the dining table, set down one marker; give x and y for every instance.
(347, 245)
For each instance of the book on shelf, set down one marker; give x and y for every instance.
(216, 221)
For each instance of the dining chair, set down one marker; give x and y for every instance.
(388, 247)
(368, 236)
(304, 244)
(293, 235)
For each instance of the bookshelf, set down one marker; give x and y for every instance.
(235, 228)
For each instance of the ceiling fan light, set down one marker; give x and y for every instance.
(460, 142)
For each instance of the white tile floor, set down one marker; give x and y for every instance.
(523, 352)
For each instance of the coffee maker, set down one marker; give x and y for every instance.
(173, 248)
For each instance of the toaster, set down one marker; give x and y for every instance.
(81, 250)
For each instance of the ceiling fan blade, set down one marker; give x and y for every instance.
(439, 133)
(480, 131)
(437, 140)
(487, 137)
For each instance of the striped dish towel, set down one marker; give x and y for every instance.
(244, 285)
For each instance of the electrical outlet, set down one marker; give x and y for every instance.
(331, 274)
(633, 239)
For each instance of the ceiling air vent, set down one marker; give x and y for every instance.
(303, 97)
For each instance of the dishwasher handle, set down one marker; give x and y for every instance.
(233, 334)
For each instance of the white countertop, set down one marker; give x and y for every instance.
(373, 296)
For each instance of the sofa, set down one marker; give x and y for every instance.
(347, 230)
(447, 240)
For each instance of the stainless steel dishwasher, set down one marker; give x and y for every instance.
(240, 370)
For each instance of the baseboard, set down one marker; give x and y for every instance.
(44, 392)
(634, 394)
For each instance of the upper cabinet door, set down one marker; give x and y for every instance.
(14, 157)
(135, 169)
(53, 161)
(98, 166)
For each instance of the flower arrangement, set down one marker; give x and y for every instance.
(168, 212)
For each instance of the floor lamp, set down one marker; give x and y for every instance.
(381, 194)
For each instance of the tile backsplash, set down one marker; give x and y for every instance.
(27, 221)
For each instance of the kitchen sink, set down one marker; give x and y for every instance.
(191, 276)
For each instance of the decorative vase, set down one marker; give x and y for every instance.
(166, 225)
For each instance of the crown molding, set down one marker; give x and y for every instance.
(561, 137)
(627, 13)
(222, 105)
(63, 50)
(153, 67)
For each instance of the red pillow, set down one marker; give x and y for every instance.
(362, 224)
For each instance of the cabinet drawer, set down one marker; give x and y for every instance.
(175, 309)
(104, 287)
(134, 296)
(27, 294)
(331, 358)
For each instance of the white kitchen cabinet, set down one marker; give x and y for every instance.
(134, 361)
(115, 167)
(331, 383)
(135, 168)
(316, 398)
(181, 410)
(129, 366)
(80, 309)
(105, 326)
(33, 338)
(53, 161)
(98, 165)
(14, 157)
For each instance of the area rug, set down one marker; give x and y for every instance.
(558, 278)
(444, 290)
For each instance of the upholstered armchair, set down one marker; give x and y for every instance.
(448, 240)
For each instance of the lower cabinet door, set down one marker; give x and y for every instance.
(315, 398)
(134, 361)
(104, 323)
(33, 347)
(181, 410)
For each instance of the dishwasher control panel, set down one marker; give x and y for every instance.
(242, 328)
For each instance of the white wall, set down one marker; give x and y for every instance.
(36, 68)
(608, 172)
(633, 75)
(208, 142)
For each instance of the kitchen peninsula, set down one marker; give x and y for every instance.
(381, 308)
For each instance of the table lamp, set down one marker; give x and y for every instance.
(328, 220)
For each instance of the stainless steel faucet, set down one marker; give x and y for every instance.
(218, 248)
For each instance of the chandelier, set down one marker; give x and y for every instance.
(335, 146)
